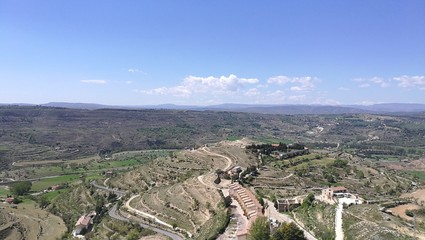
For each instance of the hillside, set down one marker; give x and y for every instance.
(35, 133)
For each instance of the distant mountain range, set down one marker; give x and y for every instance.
(393, 108)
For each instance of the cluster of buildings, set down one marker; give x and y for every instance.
(251, 207)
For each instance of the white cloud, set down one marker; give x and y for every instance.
(178, 91)
(128, 82)
(305, 84)
(222, 84)
(252, 92)
(406, 81)
(296, 98)
(212, 85)
(343, 89)
(135, 70)
(380, 81)
(94, 81)
(367, 82)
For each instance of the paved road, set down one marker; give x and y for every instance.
(113, 214)
(117, 192)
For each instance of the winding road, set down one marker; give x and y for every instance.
(113, 214)
(229, 160)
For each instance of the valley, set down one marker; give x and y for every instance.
(171, 171)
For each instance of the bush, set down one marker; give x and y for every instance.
(20, 188)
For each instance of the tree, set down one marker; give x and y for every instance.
(21, 188)
(217, 180)
(308, 201)
(44, 201)
(133, 235)
(260, 229)
(227, 201)
(288, 231)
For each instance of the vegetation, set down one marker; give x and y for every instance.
(260, 229)
(20, 188)
(359, 151)
(288, 231)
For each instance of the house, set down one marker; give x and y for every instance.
(109, 174)
(56, 187)
(330, 192)
(286, 205)
(84, 223)
(10, 200)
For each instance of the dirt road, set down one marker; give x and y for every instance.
(339, 233)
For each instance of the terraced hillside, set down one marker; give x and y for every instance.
(27, 222)
(179, 189)
(42, 133)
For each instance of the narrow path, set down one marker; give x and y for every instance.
(229, 160)
(105, 183)
(339, 233)
(272, 212)
(229, 164)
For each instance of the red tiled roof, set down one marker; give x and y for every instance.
(338, 188)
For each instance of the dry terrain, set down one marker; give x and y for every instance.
(179, 189)
(28, 222)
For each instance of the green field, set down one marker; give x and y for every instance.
(4, 191)
(232, 138)
(48, 182)
(53, 194)
(418, 174)
(267, 140)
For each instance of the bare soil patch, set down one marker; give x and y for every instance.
(419, 195)
(401, 210)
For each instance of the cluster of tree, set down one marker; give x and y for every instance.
(260, 230)
(20, 188)
(247, 175)
(266, 149)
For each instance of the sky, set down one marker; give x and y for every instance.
(212, 52)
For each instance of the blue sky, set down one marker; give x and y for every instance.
(211, 52)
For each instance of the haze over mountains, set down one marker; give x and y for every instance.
(255, 108)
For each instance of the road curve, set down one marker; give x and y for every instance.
(117, 192)
(113, 214)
